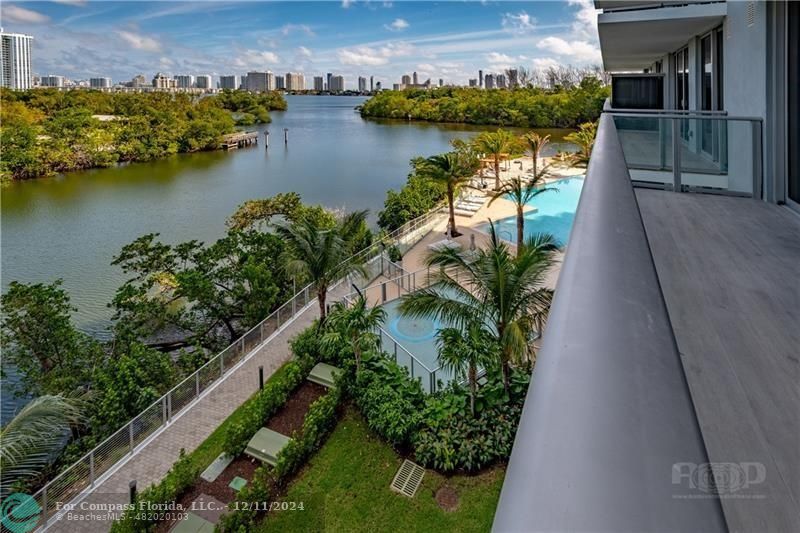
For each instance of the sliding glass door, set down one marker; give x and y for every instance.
(711, 91)
(681, 61)
(793, 101)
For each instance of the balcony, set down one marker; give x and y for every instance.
(665, 394)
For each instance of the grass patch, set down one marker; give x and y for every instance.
(345, 487)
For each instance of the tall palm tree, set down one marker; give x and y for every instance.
(496, 143)
(321, 254)
(354, 324)
(490, 286)
(521, 191)
(464, 352)
(29, 440)
(452, 169)
(536, 143)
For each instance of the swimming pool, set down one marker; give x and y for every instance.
(555, 213)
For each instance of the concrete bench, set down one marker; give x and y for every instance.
(265, 446)
(324, 374)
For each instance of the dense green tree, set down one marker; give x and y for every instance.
(464, 352)
(354, 324)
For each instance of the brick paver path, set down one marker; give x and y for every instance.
(152, 461)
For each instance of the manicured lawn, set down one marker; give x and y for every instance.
(345, 487)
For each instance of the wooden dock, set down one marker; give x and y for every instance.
(238, 140)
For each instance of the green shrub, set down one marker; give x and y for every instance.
(180, 477)
(267, 402)
(262, 488)
(418, 196)
(390, 401)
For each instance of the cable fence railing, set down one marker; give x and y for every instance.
(87, 472)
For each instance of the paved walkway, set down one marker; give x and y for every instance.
(151, 462)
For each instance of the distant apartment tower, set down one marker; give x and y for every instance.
(272, 81)
(228, 82)
(441, 82)
(15, 60)
(52, 81)
(319, 83)
(416, 80)
(378, 86)
(161, 81)
(337, 84)
(480, 78)
(488, 81)
(243, 82)
(405, 80)
(280, 83)
(500, 81)
(256, 82)
(203, 82)
(362, 84)
(328, 77)
(395, 86)
(372, 84)
(513, 78)
(184, 81)
(100, 83)
(295, 81)
(138, 81)
(473, 82)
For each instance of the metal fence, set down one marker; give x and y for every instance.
(86, 473)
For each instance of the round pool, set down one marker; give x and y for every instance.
(413, 329)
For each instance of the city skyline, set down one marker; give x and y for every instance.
(83, 40)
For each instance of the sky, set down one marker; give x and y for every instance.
(386, 39)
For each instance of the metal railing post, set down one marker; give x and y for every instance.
(222, 364)
(169, 406)
(758, 168)
(164, 417)
(130, 434)
(91, 468)
(412, 367)
(676, 155)
(44, 505)
(197, 383)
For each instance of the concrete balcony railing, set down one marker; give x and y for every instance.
(609, 430)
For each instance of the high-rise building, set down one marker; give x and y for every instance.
(405, 80)
(513, 78)
(52, 81)
(138, 81)
(473, 82)
(100, 83)
(272, 82)
(480, 78)
(256, 82)
(243, 82)
(500, 80)
(372, 84)
(416, 81)
(337, 84)
(228, 82)
(328, 77)
(319, 83)
(295, 81)
(488, 81)
(395, 86)
(203, 82)
(184, 81)
(378, 86)
(362, 84)
(15, 60)
(441, 82)
(162, 81)
(280, 83)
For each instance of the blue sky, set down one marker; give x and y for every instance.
(449, 40)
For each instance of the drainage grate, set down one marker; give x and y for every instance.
(408, 478)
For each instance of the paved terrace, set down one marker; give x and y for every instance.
(730, 273)
(154, 459)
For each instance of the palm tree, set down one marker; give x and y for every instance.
(452, 169)
(536, 143)
(29, 440)
(504, 292)
(584, 140)
(355, 324)
(521, 191)
(495, 143)
(464, 352)
(321, 254)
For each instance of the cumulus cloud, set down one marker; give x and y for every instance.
(303, 51)
(397, 25)
(12, 13)
(542, 63)
(347, 3)
(585, 24)
(581, 51)
(255, 59)
(369, 56)
(140, 42)
(518, 23)
(297, 28)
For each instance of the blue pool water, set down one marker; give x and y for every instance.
(554, 215)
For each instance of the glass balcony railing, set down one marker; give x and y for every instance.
(692, 151)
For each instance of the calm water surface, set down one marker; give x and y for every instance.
(71, 226)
